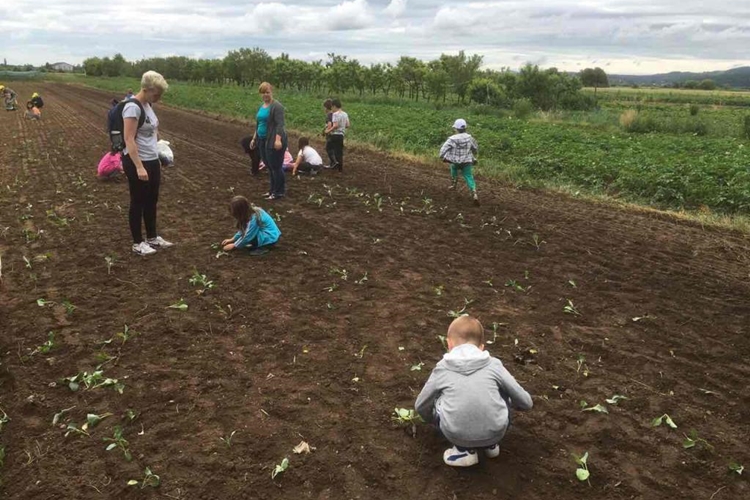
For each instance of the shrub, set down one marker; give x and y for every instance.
(694, 108)
(638, 123)
(381, 141)
(522, 108)
(627, 118)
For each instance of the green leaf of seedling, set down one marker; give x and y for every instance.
(615, 399)
(73, 385)
(128, 455)
(582, 474)
(688, 442)
(670, 422)
(735, 467)
(111, 446)
(657, 421)
(132, 482)
(180, 305)
(598, 408)
(284, 465)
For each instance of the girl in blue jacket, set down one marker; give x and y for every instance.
(255, 228)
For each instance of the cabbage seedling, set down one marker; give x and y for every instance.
(598, 408)
(110, 262)
(228, 440)
(615, 399)
(44, 303)
(180, 305)
(736, 467)
(692, 439)
(664, 418)
(407, 418)
(149, 479)
(69, 308)
(47, 346)
(284, 465)
(571, 309)
(93, 419)
(362, 280)
(201, 279)
(4, 419)
(417, 367)
(117, 441)
(582, 472)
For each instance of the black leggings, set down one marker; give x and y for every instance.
(335, 149)
(143, 197)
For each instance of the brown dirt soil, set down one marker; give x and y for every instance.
(270, 353)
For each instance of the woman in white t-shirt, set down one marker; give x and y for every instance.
(308, 160)
(141, 163)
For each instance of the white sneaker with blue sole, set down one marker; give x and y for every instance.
(457, 458)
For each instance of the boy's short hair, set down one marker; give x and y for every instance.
(328, 103)
(466, 329)
(336, 103)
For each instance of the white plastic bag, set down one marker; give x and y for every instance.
(166, 156)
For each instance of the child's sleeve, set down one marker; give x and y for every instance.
(474, 146)
(447, 146)
(252, 231)
(426, 400)
(237, 236)
(519, 398)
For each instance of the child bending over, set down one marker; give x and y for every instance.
(256, 230)
(308, 160)
(469, 396)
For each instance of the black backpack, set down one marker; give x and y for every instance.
(116, 124)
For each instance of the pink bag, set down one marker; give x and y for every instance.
(109, 164)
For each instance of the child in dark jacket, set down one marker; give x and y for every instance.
(469, 396)
(256, 230)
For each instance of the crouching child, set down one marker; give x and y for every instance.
(469, 396)
(256, 229)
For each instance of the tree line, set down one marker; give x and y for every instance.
(456, 77)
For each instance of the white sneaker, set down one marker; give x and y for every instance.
(492, 452)
(456, 458)
(143, 248)
(159, 242)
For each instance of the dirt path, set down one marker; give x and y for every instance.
(271, 353)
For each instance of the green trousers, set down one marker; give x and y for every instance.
(465, 169)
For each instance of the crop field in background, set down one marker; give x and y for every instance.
(686, 161)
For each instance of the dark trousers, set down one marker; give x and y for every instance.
(330, 152)
(336, 145)
(252, 153)
(307, 168)
(144, 196)
(274, 161)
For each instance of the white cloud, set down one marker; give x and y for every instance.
(396, 8)
(348, 16)
(566, 33)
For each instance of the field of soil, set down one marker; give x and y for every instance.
(319, 340)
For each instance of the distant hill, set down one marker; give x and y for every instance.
(736, 78)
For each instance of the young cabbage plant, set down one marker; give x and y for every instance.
(582, 472)
(284, 465)
(149, 479)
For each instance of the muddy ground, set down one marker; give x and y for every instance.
(288, 347)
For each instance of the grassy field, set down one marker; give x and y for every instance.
(677, 168)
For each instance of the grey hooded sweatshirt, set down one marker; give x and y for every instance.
(467, 392)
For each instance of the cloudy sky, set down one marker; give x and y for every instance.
(621, 36)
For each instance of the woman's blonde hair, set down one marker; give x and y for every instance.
(264, 87)
(153, 80)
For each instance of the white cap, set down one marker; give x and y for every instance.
(459, 124)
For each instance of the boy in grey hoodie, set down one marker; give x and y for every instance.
(469, 396)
